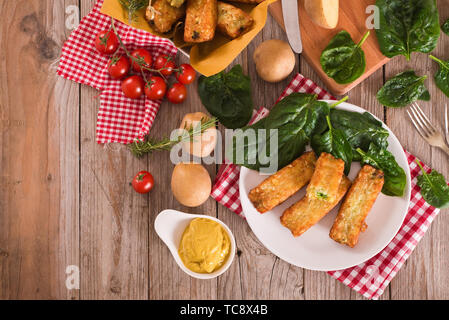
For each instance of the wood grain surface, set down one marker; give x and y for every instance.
(315, 38)
(66, 201)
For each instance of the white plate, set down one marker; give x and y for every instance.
(314, 249)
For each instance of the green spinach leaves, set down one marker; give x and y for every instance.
(360, 129)
(343, 60)
(403, 89)
(395, 178)
(434, 188)
(300, 119)
(369, 141)
(295, 119)
(227, 96)
(335, 143)
(442, 76)
(407, 26)
(445, 27)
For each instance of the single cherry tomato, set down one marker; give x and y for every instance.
(118, 67)
(144, 57)
(155, 88)
(186, 74)
(177, 93)
(133, 87)
(165, 65)
(106, 42)
(143, 182)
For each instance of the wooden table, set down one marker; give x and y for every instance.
(65, 200)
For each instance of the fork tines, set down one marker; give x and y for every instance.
(421, 122)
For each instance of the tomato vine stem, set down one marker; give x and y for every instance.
(140, 61)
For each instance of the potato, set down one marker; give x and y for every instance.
(274, 60)
(323, 12)
(191, 184)
(199, 147)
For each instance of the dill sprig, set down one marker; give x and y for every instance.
(132, 6)
(140, 148)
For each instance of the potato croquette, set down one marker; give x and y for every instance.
(283, 184)
(201, 20)
(232, 21)
(358, 203)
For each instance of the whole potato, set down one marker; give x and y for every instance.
(191, 184)
(200, 146)
(274, 60)
(324, 13)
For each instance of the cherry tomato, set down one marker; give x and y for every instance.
(143, 182)
(144, 56)
(106, 42)
(118, 67)
(133, 87)
(177, 93)
(165, 65)
(156, 88)
(186, 75)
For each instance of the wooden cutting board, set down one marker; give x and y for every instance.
(353, 18)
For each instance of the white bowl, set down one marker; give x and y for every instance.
(170, 226)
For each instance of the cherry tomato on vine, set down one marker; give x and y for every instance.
(133, 87)
(177, 93)
(143, 182)
(118, 67)
(155, 88)
(106, 42)
(186, 74)
(165, 65)
(145, 58)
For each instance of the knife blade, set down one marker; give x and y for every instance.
(291, 22)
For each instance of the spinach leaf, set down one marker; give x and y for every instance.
(343, 60)
(434, 188)
(295, 118)
(403, 89)
(442, 76)
(445, 27)
(227, 96)
(335, 143)
(361, 129)
(395, 178)
(301, 110)
(407, 26)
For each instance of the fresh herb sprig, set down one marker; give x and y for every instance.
(132, 6)
(141, 148)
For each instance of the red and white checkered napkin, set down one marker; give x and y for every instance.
(371, 277)
(120, 119)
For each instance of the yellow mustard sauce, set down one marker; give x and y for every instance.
(205, 246)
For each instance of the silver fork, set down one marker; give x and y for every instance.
(427, 130)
